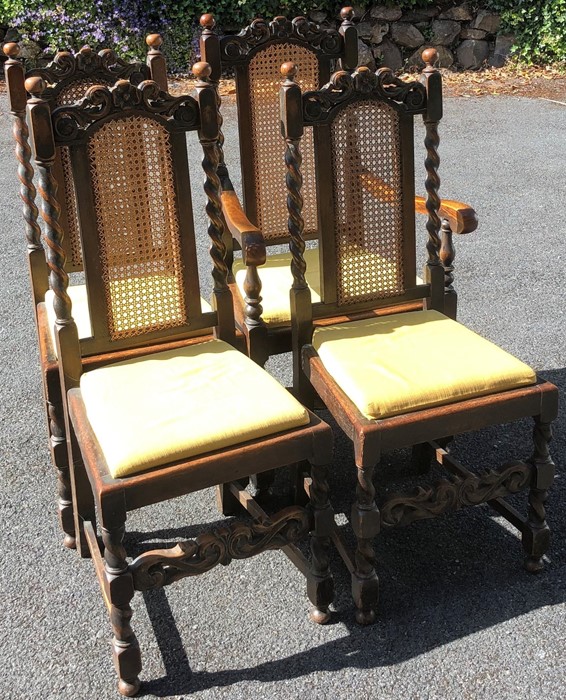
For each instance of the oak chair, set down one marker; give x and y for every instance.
(406, 378)
(162, 424)
(262, 305)
(67, 78)
(260, 222)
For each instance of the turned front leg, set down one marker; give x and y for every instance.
(320, 585)
(120, 586)
(60, 457)
(536, 536)
(366, 525)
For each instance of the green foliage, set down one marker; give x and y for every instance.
(9, 9)
(539, 27)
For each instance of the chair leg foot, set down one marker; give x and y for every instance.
(129, 688)
(365, 592)
(533, 565)
(365, 617)
(69, 542)
(319, 616)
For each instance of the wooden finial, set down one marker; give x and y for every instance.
(207, 21)
(35, 86)
(202, 70)
(86, 50)
(154, 41)
(12, 49)
(430, 57)
(347, 14)
(289, 70)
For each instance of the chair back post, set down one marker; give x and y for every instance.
(434, 272)
(301, 307)
(156, 61)
(17, 97)
(66, 334)
(208, 137)
(349, 33)
(210, 53)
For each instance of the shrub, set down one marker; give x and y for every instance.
(538, 25)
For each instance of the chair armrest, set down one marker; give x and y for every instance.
(462, 217)
(248, 236)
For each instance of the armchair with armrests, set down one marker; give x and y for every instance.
(258, 225)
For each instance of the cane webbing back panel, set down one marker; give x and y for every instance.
(70, 94)
(269, 147)
(368, 233)
(137, 224)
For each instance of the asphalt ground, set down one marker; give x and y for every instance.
(458, 618)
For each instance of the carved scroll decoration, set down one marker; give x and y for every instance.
(236, 48)
(447, 496)
(86, 63)
(319, 105)
(101, 102)
(239, 540)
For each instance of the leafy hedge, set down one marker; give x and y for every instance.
(539, 25)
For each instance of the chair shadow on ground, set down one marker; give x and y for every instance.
(441, 580)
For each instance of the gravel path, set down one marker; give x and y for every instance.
(459, 618)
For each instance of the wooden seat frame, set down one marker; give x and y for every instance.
(64, 73)
(434, 426)
(97, 494)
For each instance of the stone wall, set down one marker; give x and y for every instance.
(464, 38)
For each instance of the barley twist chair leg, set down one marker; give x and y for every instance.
(536, 536)
(60, 456)
(120, 587)
(366, 525)
(320, 587)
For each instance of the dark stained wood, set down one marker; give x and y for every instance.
(430, 429)
(99, 496)
(64, 73)
(236, 52)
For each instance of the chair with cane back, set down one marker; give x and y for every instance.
(164, 423)
(406, 378)
(262, 300)
(67, 78)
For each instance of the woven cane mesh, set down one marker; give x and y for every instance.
(138, 227)
(269, 147)
(73, 230)
(365, 146)
(76, 89)
(71, 93)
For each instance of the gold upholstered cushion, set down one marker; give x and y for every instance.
(410, 361)
(176, 404)
(276, 281)
(80, 310)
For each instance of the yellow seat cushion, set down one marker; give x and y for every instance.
(410, 361)
(80, 310)
(276, 281)
(176, 404)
